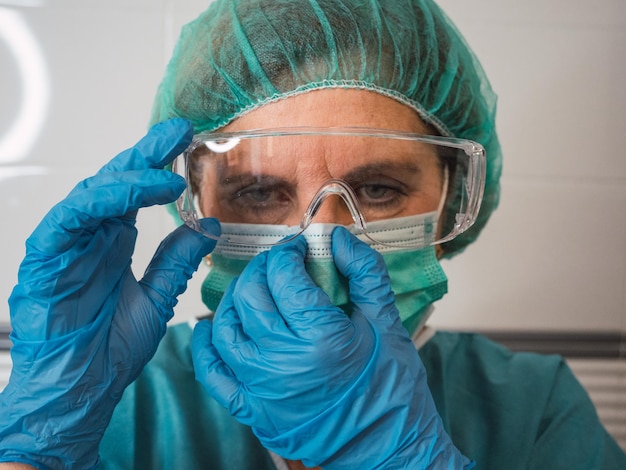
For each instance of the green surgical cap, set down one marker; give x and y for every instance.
(241, 54)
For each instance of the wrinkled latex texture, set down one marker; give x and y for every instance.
(241, 54)
(312, 383)
(82, 326)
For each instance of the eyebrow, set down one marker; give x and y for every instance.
(251, 178)
(381, 168)
(357, 174)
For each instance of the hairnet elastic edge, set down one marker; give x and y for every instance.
(335, 84)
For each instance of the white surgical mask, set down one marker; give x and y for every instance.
(417, 278)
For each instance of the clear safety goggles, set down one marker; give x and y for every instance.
(376, 181)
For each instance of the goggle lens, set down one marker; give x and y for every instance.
(349, 176)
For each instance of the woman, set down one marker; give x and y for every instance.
(304, 381)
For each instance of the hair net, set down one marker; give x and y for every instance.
(241, 54)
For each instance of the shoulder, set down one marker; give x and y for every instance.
(464, 366)
(475, 365)
(453, 343)
(530, 405)
(449, 351)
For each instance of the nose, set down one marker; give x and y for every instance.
(334, 203)
(333, 210)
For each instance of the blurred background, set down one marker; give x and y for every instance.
(77, 79)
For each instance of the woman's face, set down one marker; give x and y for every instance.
(276, 186)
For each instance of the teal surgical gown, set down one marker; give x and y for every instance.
(504, 410)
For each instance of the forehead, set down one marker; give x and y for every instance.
(321, 155)
(333, 107)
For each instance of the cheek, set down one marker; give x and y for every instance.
(423, 202)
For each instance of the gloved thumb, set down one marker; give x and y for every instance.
(369, 283)
(175, 261)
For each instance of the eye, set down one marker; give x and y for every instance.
(379, 190)
(257, 200)
(380, 196)
(258, 197)
(376, 191)
(259, 194)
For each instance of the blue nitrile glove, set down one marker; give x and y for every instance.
(314, 384)
(83, 327)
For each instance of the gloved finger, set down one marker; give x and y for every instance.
(231, 341)
(175, 261)
(369, 283)
(163, 142)
(256, 308)
(304, 306)
(64, 293)
(104, 197)
(211, 371)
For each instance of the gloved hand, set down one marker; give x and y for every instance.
(314, 384)
(83, 327)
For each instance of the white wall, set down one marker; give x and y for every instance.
(554, 255)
